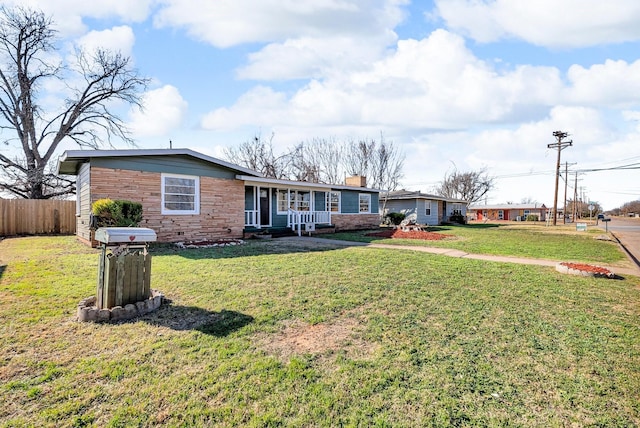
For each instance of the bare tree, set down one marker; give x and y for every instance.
(323, 160)
(358, 156)
(317, 160)
(27, 40)
(528, 200)
(466, 186)
(257, 154)
(632, 207)
(380, 161)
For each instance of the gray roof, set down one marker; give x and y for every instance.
(407, 194)
(71, 159)
(535, 206)
(303, 184)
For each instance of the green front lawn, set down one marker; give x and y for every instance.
(561, 243)
(279, 334)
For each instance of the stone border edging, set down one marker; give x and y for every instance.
(88, 312)
(563, 268)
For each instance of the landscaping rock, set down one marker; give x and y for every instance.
(118, 313)
(104, 315)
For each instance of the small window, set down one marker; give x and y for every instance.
(365, 202)
(427, 208)
(303, 201)
(180, 194)
(282, 201)
(334, 202)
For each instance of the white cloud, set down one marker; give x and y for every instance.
(229, 23)
(614, 83)
(551, 23)
(260, 106)
(164, 111)
(117, 39)
(307, 57)
(434, 83)
(68, 14)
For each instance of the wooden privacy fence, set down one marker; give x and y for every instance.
(37, 217)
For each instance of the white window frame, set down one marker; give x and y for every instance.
(300, 203)
(293, 200)
(280, 192)
(427, 208)
(196, 202)
(330, 205)
(367, 197)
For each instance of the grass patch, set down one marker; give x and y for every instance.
(274, 333)
(518, 239)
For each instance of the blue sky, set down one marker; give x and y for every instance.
(464, 84)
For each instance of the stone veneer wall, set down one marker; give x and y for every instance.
(221, 204)
(355, 221)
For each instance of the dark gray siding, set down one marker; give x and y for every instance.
(168, 164)
(351, 202)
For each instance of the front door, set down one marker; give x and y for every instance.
(265, 208)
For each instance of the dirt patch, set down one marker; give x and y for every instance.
(410, 234)
(298, 338)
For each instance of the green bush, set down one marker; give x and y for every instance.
(118, 213)
(458, 218)
(395, 218)
(532, 217)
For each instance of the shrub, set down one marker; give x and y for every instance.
(532, 217)
(458, 218)
(119, 213)
(395, 218)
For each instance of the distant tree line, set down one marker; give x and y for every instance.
(323, 160)
(632, 207)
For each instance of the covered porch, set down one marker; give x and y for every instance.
(288, 206)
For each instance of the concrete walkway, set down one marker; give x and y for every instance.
(460, 254)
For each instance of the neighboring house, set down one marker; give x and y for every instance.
(517, 212)
(188, 196)
(422, 208)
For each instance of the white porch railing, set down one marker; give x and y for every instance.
(251, 218)
(295, 219)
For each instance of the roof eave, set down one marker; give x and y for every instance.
(70, 159)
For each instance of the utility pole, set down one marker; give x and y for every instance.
(566, 183)
(560, 135)
(575, 199)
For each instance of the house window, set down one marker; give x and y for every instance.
(365, 202)
(180, 194)
(456, 209)
(302, 201)
(334, 202)
(427, 208)
(500, 215)
(292, 199)
(283, 201)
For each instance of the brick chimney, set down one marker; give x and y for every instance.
(356, 181)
